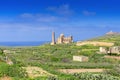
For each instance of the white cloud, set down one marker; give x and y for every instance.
(27, 15)
(42, 17)
(47, 19)
(63, 9)
(62, 13)
(22, 27)
(88, 13)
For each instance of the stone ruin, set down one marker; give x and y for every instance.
(6, 57)
(61, 39)
(114, 49)
(103, 50)
(80, 58)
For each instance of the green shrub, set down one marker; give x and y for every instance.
(12, 71)
(90, 76)
(52, 78)
(54, 59)
(117, 43)
(97, 58)
(1, 52)
(115, 71)
(87, 53)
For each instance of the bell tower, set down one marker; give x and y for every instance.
(53, 39)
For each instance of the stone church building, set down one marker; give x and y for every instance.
(61, 39)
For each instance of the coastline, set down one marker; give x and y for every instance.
(22, 43)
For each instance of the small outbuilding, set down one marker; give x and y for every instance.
(80, 58)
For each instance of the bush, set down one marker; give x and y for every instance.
(90, 76)
(97, 58)
(87, 53)
(1, 52)
(52, 78)
(54, 59)
(115, 71)
(12, 71)
(117, 43)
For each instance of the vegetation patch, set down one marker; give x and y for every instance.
(36, 72)
(12, 71)
(71, 71)
(5, 78)
(43, 62)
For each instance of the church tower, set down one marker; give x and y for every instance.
(53, 39)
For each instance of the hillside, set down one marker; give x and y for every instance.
(56, 62)
(51, 59)
(108, 38)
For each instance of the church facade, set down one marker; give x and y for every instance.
(61, 39)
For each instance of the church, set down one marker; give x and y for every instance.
(61, 39)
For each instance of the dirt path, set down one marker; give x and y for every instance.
(70, 71)
(5, 78)
(36, 72)
(113, 57)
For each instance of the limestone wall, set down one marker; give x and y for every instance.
(103, 50)
(95, 43)
(80, 58)
(115, 49)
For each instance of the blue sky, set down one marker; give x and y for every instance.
(34, 20)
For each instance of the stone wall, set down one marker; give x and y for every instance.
(112, 50)
(95, 43)
(80, 58)
(103, 50)
(115, 49)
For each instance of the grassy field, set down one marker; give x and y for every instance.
(51, 58)
(108, 38)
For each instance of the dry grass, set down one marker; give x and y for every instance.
(70, 71)
(36, 72)
(113, 57)
(95, 43)
(5, 78)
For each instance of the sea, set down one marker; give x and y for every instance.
(29, 43)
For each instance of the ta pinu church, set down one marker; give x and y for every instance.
(61, 39)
